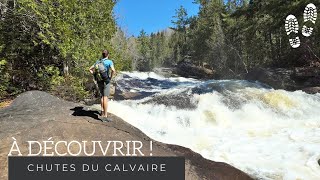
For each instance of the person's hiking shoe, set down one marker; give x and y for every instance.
(105, 119)
(292, 26)
(309, 14)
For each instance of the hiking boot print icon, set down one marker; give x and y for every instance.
(292, 25)
(309, 14)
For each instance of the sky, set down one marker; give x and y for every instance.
(151, 15)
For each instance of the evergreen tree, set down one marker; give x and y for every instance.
(50, 43)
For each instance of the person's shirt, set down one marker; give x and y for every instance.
(107, 63)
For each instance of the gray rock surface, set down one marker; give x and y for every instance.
(312, 90)
(300, 78)
(187, 69)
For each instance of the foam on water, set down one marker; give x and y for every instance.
(272, 134)
(146, 75)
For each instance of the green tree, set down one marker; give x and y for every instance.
(144, 63)
(66, 34)
(181, 24)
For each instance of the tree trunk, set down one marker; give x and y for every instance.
(65, 68)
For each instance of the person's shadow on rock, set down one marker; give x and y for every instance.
(81, 111)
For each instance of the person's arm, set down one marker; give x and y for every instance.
(113, 71)
(91, 69)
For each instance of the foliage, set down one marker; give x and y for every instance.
(52, 42)
(4, 78)
(50, 77)
(231, 36)
(72, 89)
(151, 51)
(123, 55)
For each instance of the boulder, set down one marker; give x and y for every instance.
(165, 72)
(307, 76)
(312, 90)
(278, 78)
(289, 79)
(127, 95)
(187, 69)
(180, 101)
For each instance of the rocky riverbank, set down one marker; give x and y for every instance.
(298, 78)
(187, 69)
(37, 115)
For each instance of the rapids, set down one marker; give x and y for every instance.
(267, 133)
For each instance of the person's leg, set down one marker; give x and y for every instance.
(101, 90)
(102, 108)
(105, 106)
(104, 102)
(106, 93)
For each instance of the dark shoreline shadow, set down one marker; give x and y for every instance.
(81, 111)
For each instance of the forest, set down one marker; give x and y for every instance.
(231, 36)
(50, 44)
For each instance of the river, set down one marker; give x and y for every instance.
(267, 133)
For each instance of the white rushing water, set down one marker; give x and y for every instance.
(269, 134)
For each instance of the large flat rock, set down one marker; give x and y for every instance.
(37, 115)
(299, 78)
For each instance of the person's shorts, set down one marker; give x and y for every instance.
(104, 88)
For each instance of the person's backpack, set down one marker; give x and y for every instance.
(101, 72)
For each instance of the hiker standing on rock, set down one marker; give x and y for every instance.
(103, 71)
